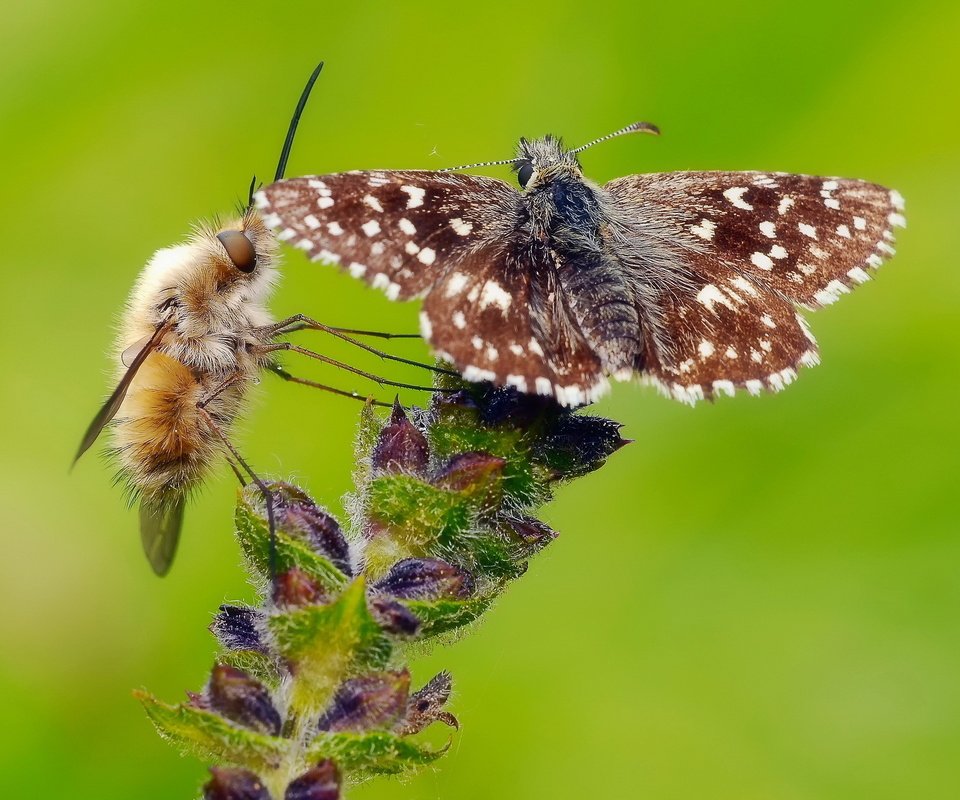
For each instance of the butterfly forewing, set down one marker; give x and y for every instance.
(398, 230)
(807, 238)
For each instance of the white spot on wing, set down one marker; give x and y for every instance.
(406, 226)
(427, 256)
(460, 227)
(768, 229)
(494, 294)
(762, 261)
(372, 201)
(455, 284)
(371, 228)
(459, 320)
(735, 195)
(416, 195)
(705, 349)
(425, 327)
(710, 295)
(807, 230)
(705, 229)
(785, 203)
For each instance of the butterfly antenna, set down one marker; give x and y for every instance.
(481, 164)
(292, 130)
(636, 127)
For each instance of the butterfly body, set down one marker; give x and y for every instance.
(688, 280)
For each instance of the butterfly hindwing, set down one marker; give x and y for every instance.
(398, 230)
(501, 316)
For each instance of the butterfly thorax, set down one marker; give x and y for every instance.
(564, 208)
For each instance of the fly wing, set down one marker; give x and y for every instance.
(110, 408)
(160, 524)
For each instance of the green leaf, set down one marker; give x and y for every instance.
(440, 616)
(376, 753)
(326, 644)
(253, 533)
(209, 736)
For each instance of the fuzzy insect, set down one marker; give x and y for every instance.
(689, 280)
(195, 335)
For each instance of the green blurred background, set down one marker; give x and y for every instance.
(757, 599)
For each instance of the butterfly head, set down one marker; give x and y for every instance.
(543, 159)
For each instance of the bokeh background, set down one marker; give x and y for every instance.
(757, 599)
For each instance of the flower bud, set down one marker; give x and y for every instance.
(426, 579)
(243, 700)
(234, 784)
(394, 617)
(237, 628)
(401, 446)
(320, 783)
(426, 706)
(299, 516)
(295, 588)
(528, 535)
(369, 702)
(574, 445)
(470, 471)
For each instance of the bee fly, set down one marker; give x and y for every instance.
(195, 334)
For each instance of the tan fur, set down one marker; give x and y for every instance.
(164, 446)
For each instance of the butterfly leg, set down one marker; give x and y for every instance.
(279, 346)
(299, 322)
(277, 370)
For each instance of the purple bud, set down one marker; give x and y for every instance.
(234, 784)
(507, 405)
(374, 701)
(237, 628)
(426, 706)
(401, 446)
(528, 534)
(299, 516)
(426, 579)
(320, 783)
(394, 617)
(575, 444)
(295, 588)
(243, 700)
(469, 471)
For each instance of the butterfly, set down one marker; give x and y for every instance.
(689, 280)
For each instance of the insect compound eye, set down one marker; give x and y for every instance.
(524, 173)
(240, 249)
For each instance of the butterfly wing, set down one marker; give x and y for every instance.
(398, 230)
(501, 315)
(494, 307)
(721, 258)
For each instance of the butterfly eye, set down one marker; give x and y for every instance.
(240, 250)
(524, 173)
